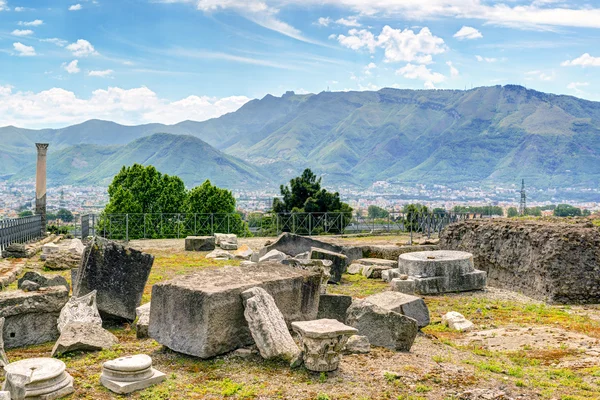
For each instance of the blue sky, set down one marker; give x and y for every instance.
(139, 61)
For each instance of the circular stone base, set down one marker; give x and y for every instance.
(435, 263)
(140, 362)
(49, 379)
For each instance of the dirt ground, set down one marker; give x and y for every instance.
(520, 348)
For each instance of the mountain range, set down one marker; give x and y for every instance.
(483, 136)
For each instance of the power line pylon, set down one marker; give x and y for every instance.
(523, 204)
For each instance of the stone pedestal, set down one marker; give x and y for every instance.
(38, 378)
(322, 342)
(432, 272)
(128, 374)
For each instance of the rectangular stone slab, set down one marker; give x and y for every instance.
(202, 314)
(129, 387)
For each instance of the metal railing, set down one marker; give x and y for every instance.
(159, 226)
(19, 230)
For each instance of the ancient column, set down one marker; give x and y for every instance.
(40, 183)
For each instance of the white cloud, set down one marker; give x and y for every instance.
(102, 74)
(56, 41)
(3, 6)
(575, 86)
(421, 72)
(467, 32)
(59, 107)
(75, 7)
(22, 32)
(71, 67)
(23, 50)
(324, 21)
(585, 60)
(36, 22)
(540, 75)
(369, 67)
(399, 45)
(82, 48)
(453, 71)
(350, 21)
(486, 59)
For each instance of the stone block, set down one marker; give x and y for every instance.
(228, 246)
(441, 271)
(83, 336)
(391, 252)
(383, 327)
(128, 374)
(292, 245)
(30, 317)
(334, 306)
(117, 273)
(142, 321)
(243, 253)
(406, 286)
(199, 243)
(42, 280)
(355, 269)
(404, 304)
(219, 254)
(62, 260)
(80, 309)
(373, 267)
(15, 250)
(322, 342)
(76, 247)
(50, 248)
(339, 262)
(357, 344)
(456, 321)
(267, 326)
(202, 314)
(273, 255)
(221, 238)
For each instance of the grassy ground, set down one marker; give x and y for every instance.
(441, 364)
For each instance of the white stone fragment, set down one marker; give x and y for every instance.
(273, 255)
(457, 321)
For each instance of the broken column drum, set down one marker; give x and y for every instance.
(432, 272)
(322, 343)
(38, 378)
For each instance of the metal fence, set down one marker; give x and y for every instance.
(159, 226)
(19, 230)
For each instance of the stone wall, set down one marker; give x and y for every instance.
(557, 262)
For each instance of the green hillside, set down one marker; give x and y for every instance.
(487, 135)
(185, 156)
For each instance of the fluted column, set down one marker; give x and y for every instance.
(40, 183)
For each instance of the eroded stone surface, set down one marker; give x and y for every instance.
(130, 373)
(119, 275)
(80, 309)
(457, 321)
(221, 238)
(339, 262)
(199, 243)
(42, 281)
(142, 321)
(243, 253)
(334, 306)
(3, 358)
(83, 336)
(383, 327)
(202, 314)
(76, 247)
(219, 254)
(404, 304)
(38, 378)
(357, 344)
(273, 255)
(267, 326)
(322, 342)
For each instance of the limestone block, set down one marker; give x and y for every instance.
(334, 306)
(3, 358)
(243, 253)
(273, 255)
(404, 304)
(219, 254)
(119, 275)
(15, 250)
(292, 244)
(457, 321)
(321, 266)
(390, 274)
(357, 345)
(322, 342)
(380, 262)
(355, 268)
(42, 281)
(339, 262)
(38, 378)
(50, 248)
(83, 336)
(29, 286)
(30, 317)
(80, 309)
(228, 246)
(202, 314)
(199, 243)
(62, 260)
(128, 374)
(221, 238)
(76, 247)
(267, 326)
(383, 327)
(441, 271)
(4, 395)
(406, 286)
(142, 321)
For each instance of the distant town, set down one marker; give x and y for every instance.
(16, 197)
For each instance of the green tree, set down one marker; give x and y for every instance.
(512, 212)
(586, 213)
(439, 211)
(533, 211)
(566, 210)
(412, 214)
(377, 212)
(26, 213)
(486, 210)
(139, 189)
(305, 194)
(65, 215)
(207, 199)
